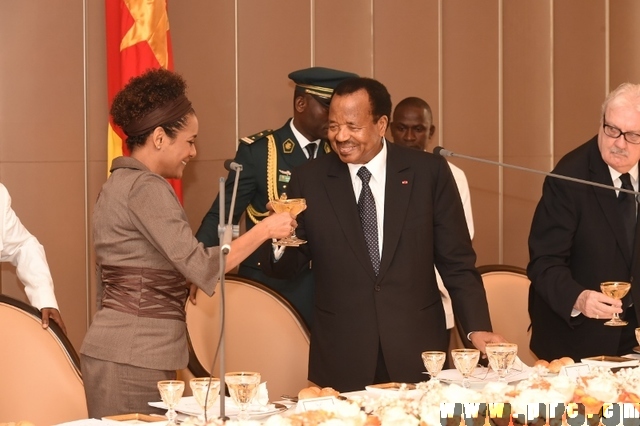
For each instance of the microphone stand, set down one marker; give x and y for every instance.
(223, 267)
(225, 232)
(446, 153)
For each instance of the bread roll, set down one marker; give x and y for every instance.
(565, 360)
(555, 366)
(329, 392)
(310, 392)
(541, 362)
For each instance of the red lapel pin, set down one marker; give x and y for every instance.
(405, 182)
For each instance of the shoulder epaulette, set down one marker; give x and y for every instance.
(251, 139)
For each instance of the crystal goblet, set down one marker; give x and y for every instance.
(171, 392)
(501, 358)
(465, 361)
(243, 387)
(205, 391)
(617, 290)
(294, 206)
(433, 362)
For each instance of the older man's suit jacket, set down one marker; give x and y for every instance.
(399, 310)
(577, 241)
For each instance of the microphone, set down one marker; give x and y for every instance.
(232, 166)
(438, 150)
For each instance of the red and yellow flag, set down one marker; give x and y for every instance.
(137, 39)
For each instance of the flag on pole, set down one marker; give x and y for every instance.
(138, 39)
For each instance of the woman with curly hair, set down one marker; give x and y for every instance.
(146, 251)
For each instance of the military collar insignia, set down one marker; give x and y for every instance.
(287, 146)
(327, 147)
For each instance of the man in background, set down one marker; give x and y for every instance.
(412, 126)
(268, 159)
(22, 250)
(582, 235)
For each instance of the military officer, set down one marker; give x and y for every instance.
(268, 159)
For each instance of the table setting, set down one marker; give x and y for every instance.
(507, 391)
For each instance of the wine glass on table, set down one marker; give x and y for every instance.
(171, 392)
(501, 358)
(465, 361)
(433, 362)
(205, 391)
(617, 290)
(243, 388)
(295, 206)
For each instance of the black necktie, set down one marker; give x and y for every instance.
(628, 205)
(311, 149)
(369, 218)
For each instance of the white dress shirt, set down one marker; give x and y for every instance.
(302, 141)
(23, 250)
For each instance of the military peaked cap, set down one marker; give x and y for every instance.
(320, 81)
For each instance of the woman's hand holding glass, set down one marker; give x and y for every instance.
(280, 225)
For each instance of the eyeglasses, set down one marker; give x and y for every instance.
(614, 132)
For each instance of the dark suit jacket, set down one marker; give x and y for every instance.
(253, 188)
(399, 310)
(577, 241)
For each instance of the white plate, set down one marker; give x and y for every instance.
(188, 405)
(483, 375)
(610, 361)
(394, 388)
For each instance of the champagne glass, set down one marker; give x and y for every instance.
(171, 392)
(465, 361)
(295, 206)
(501, 358)
(243, 387)
(433, 362)
(617, 290)
(206, 391)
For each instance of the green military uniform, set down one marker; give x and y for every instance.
(268, 159)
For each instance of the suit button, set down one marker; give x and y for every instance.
(377, 288)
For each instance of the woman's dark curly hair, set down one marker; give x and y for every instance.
(144, 94)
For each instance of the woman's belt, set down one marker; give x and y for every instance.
(144, 292)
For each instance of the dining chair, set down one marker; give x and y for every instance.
(40, 379)
(263, 333)
(507, 289)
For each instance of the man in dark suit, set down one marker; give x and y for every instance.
(579, 239)
(267, 159)
(377, 304)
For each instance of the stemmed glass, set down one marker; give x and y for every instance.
(243, 387)
(465, 361)
(205, 391)
(501, 358)
(171, 392)
(295, 206)
(617, 290)
(433, 362)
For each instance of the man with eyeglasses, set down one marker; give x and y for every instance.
(584, 235)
